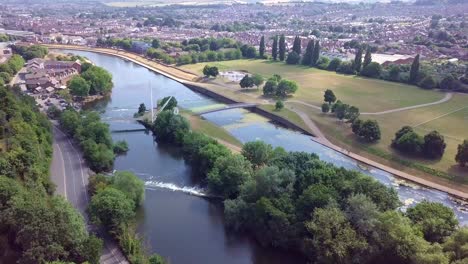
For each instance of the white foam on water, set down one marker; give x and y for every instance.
(196, 191)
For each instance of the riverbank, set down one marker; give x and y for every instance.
(459, 191)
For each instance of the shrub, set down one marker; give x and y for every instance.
(372, 70)
(325, 108)
(279, 105)
(293, 58)
(428, 82)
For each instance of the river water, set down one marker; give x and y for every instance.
(175, 219)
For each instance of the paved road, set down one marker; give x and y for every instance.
(70, 173)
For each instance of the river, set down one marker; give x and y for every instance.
(175, 219)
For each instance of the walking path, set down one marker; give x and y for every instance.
(446, 98)
(178, 76)
(321, 139)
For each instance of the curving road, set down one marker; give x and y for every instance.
(70, 173)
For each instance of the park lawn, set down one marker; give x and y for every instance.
(201, 125)
(454, 127)
(370, 95)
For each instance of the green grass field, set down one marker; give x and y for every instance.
(370, 95)
(444, 118)
(449, 118)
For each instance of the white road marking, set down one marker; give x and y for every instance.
(63, 169)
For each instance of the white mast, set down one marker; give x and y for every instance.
(151, 92)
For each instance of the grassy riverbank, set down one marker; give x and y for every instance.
(371, 96)
(198, 124)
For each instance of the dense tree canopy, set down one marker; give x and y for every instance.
(434, 219)
(294, 201)
(170, 127)
(45, 228)
(99, 80)
(329, 96)
(78, 86)
(210, 71)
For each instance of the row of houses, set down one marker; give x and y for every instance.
(47, 75)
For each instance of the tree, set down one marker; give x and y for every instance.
(5, 77)
(334, 64)
(394, 73)
(111, 208)
(457, 244)
(400, 242)
(270, 87)
(156, 44)
(352, 114)
(428, 82)
(261, 50)
(435, 220)
(369, 131)
(141, 109)
(274, 48)
(257, 152)
(246, 82)
(367, 58)
(335, 106)
(334, 240)
(434, 145)
(279, 105)
(210, 71)
(293, 58)
(462, 153)
(329, 96)
(78, 86)
(346, 67)
(316, 54)
(358, 60)
(228, 174)
(132, 186)
(341, 110)
(297, 45)
(99, 80)
(325, 108)
(258, 80)
(307, 58)
(414, 71)
(170, 127)
(409, 142)
(92, 248)
(170, 105)
(251, 52)
(282, 48)
(315, 196)
(448, 83)
(322, 63)
(286, 87)
(373, 69)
